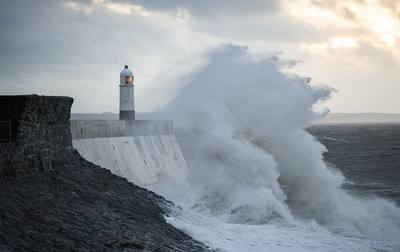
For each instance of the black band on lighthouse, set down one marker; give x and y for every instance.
(127, 115)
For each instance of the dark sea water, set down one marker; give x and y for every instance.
(367, 154)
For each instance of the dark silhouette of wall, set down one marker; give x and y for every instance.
(40, 134)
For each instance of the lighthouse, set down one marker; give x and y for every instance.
(126, 95)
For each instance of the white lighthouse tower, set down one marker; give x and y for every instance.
(126, 95)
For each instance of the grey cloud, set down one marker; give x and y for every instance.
(348, 14)
(206, 8)
(271, 29)
(339, 7)
(360, 2)
(393, 6)
(212, 7)
(390, 4)
(43, 32)
(330, 4)
(34, 32)
(378, 56)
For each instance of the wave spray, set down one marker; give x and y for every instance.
(252, 161)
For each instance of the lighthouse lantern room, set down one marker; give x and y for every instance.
(126, 95)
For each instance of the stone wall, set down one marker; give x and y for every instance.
(41, 136)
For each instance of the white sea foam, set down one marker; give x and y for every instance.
(256, 178)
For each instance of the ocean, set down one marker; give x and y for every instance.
(368, 156)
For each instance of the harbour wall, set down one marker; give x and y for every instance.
(34, 134)
(139, 150)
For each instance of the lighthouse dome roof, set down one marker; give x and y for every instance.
(126, 72)
(126, 77)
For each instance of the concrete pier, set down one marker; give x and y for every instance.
(140, 151)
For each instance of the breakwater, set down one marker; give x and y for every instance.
(139, 150)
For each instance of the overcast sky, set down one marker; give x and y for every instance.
(78, 47)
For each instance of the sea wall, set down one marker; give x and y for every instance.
(140, 151)
(140, 159)
(81, 129)
(37, 136)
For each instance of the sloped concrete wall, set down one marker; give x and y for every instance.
(141, 157)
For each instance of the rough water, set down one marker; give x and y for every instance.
(259, 180)
(367, 154)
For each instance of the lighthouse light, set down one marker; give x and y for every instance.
(128, 80)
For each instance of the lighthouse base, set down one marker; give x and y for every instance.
(127, 115)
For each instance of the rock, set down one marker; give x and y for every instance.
(83, 207)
